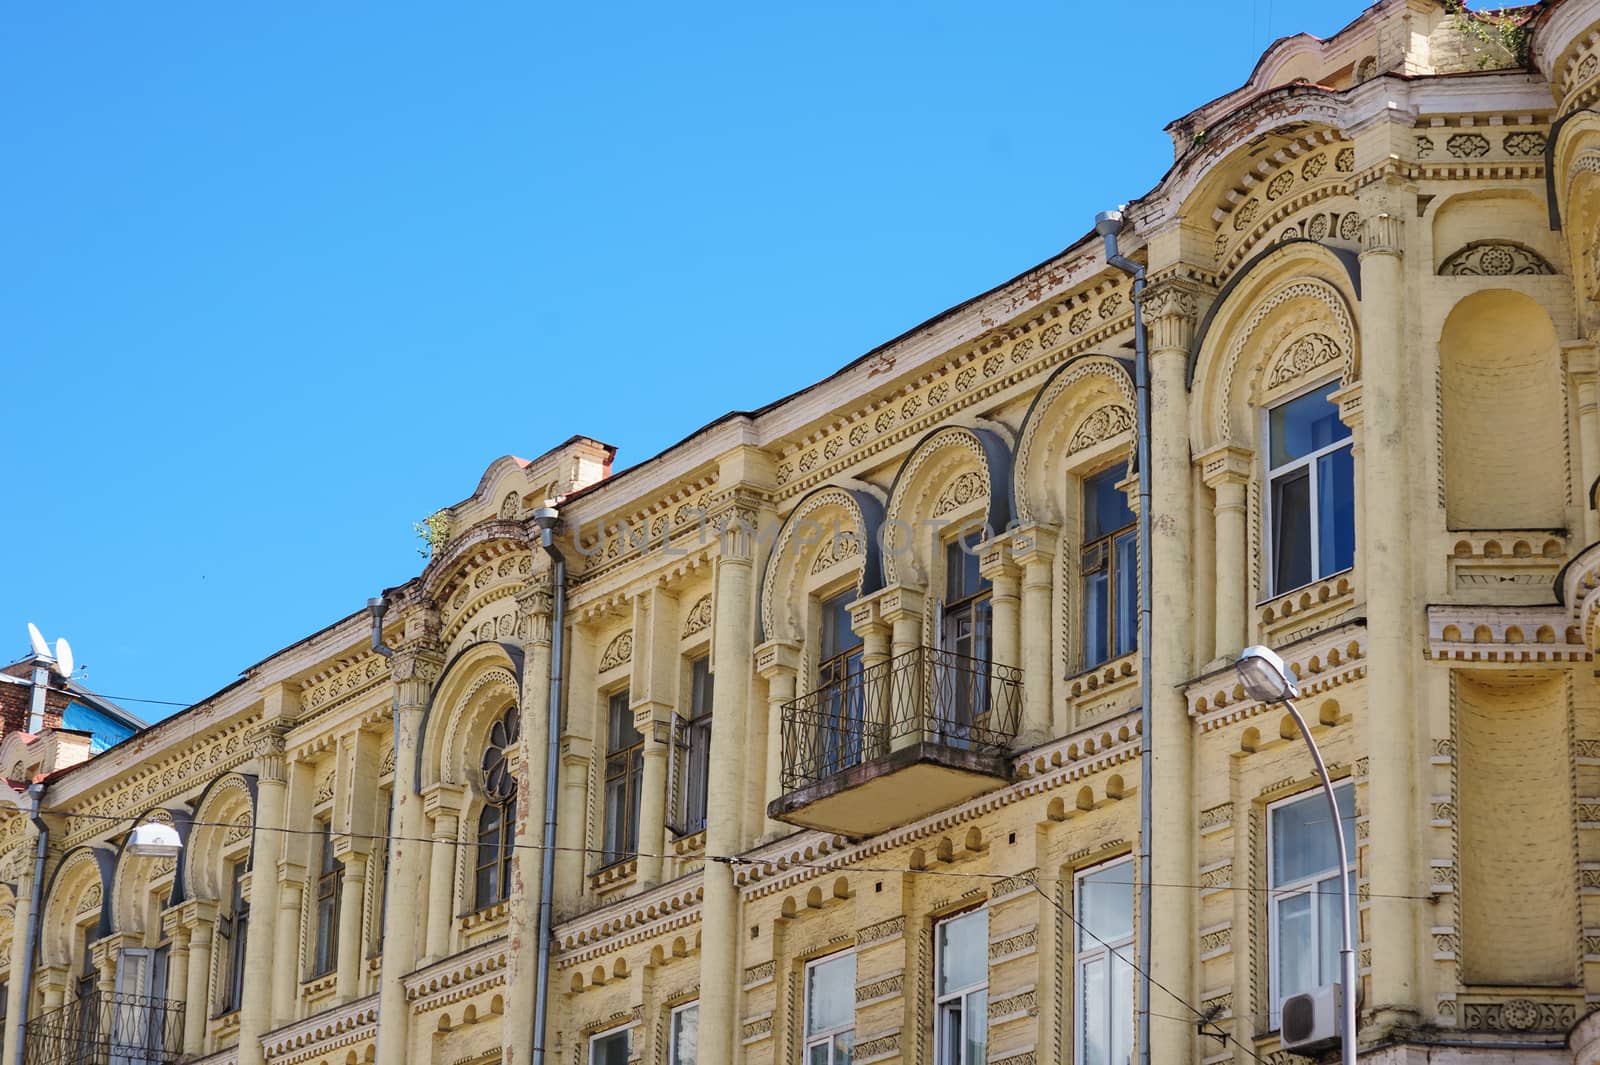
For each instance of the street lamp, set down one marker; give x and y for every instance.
(1267, 680)
(155, 840)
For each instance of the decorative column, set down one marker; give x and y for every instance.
(577, 746)
(199, 916)
(352, 845)
(299, 853)
(106, 951)
(1171, 310)
(1226, 471)
(732, 651)
(415, 667)
(1582, 366)
(535, 604)
(352, 892)
(177, 958)
(1033, 549)
(653, 689)
(1005, 604)
(901, 607)
(255, 1014)
(52, 983)
(442, 805)
(1394, 868)
(878, 701)
(778, 663)
(17, 1011)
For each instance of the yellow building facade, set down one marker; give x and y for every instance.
(848, 691)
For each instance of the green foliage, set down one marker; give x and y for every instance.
(1505, 30)
(434, 530)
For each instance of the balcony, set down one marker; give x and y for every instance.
(107, 1030)
(898, 741)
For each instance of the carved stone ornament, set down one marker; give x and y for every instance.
(618, 652)
(699, 618)
(511, 506)
(1101, 424)
(1493, 258)
(836, 548)
(1301, 357)
(964, 489)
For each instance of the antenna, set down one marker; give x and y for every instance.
(64, 658)
(40, 648)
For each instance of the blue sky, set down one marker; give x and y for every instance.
(280, 280)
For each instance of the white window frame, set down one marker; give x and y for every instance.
(957, 997)
(1277, 893)
(808, 1038)
(1274, 472)
(607, 1034)
(672, 1030)
(1095, 951)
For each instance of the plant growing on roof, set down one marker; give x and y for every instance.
(1505, 29)
(434, 530)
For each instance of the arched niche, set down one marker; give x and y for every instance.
(833, 532)
(1504, 414)
(474, 689)
(75, 905)
(224, 819)
(1084, 406)
(955, 476)
(1285, 325)
(144, 885)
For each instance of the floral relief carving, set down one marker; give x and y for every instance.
(238, 831)
(992, 364)
(1111, 305)
(834, 550)
(1301, 357)
(1313, 167)
(1519, 1015)
(1493, 259)
(1023, 349)
(1467, 145)
(1345, 161)
(1350, 226)
(885, 988)
(963, 490)
(90, 900)
(875, 933)
(1079, 321)
(1317, 227)
(699, 618)
(1101, 424)
(1280, 184)
(617, 652)
(858, 435)
(1051, 334)
(511, 506)
(1524, 143)
(1424, 147)
(1245, 214)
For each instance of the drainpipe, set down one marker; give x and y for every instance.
(36, 794)
(1108, 224)
(546, 517)
(377, 606)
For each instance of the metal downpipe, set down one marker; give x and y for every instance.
(36, 793)
(1108, 224)
(547, 518)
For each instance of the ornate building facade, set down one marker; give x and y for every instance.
(849, 723)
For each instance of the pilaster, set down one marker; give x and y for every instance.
(778, 663)
(1033, 549)
(267, 744)
(1226, 471)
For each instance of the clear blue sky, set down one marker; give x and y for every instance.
(280, 279)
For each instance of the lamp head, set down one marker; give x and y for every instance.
(1265, 677)
(155, 840)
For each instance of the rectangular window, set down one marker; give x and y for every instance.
(1109, 567)
(830, 1010)
(611, 1048)
(624, 774)
(696, 748)
(234, 928)
(330, 875)
(387, 804)
(966, 631)
(497, 826)
(1311, 496)
(1303, 900)
(1103, 966)
(961, 989)
(839, 680)
(683, 1049)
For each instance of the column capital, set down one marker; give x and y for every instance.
(995, 561)
(866, 618)
(1225, 464)
(1034, 543)
(1349, 400)
(1171, 306)
(900, 602)
(575, 751)
(1581, 357)
(735, 517)
(777, 658)
(443, 799)
(653, 720)
(267, 743)
(535, 604)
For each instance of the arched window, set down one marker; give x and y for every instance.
(497, 822)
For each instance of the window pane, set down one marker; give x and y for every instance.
(1121, 1020)
(818, 1054)
(700, 687)
(1096, 607)
(1105, 507)
(1297, 965)
(1291, 531)
(963, 951)
(616, 816)
(976, 1023)
(685, 1036)
(961, 559)
(1126, 622)
(837, 636)
(1336, 506)
(844, 1046)
(831, 994)
(1330, 921)
(1092, 1012)
(610, 1049)
(1302, 844)
(1105, 905)
(1303, 425)
(948, 1050)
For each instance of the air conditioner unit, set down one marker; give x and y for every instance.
(1311, 1021)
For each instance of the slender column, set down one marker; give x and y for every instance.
(352, 845)
(1226, 471)
(22, 919)
(199, 916)
(1170, 313)
(299, 852)
(1394, 869)
(733, 652)
(1006, 616)
(415, 667)
(901, 607)
(255, 1014)
(653, 689)
(534, 606)
(442, 804)
(577, 743)
(778, 662)
(877, 699)
(177, 963)
(352, 890)
(106, 952)
(1033, 549)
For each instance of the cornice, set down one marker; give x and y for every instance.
(457, 977)
(323, 1032)
(1322, 662)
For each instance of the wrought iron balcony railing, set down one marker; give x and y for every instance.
(107, 1030)
(922, 696)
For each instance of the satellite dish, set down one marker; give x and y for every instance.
(40, 648)
(64, 658)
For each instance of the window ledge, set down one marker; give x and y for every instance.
(488, 915)
(1306, 609)
(616, 877)
(313, 985)
(1104, 691)
(692, 845)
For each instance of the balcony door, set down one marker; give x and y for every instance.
(135, 1019)
(966, 636)
(841, 738)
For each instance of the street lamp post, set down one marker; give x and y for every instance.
(1266, 679)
